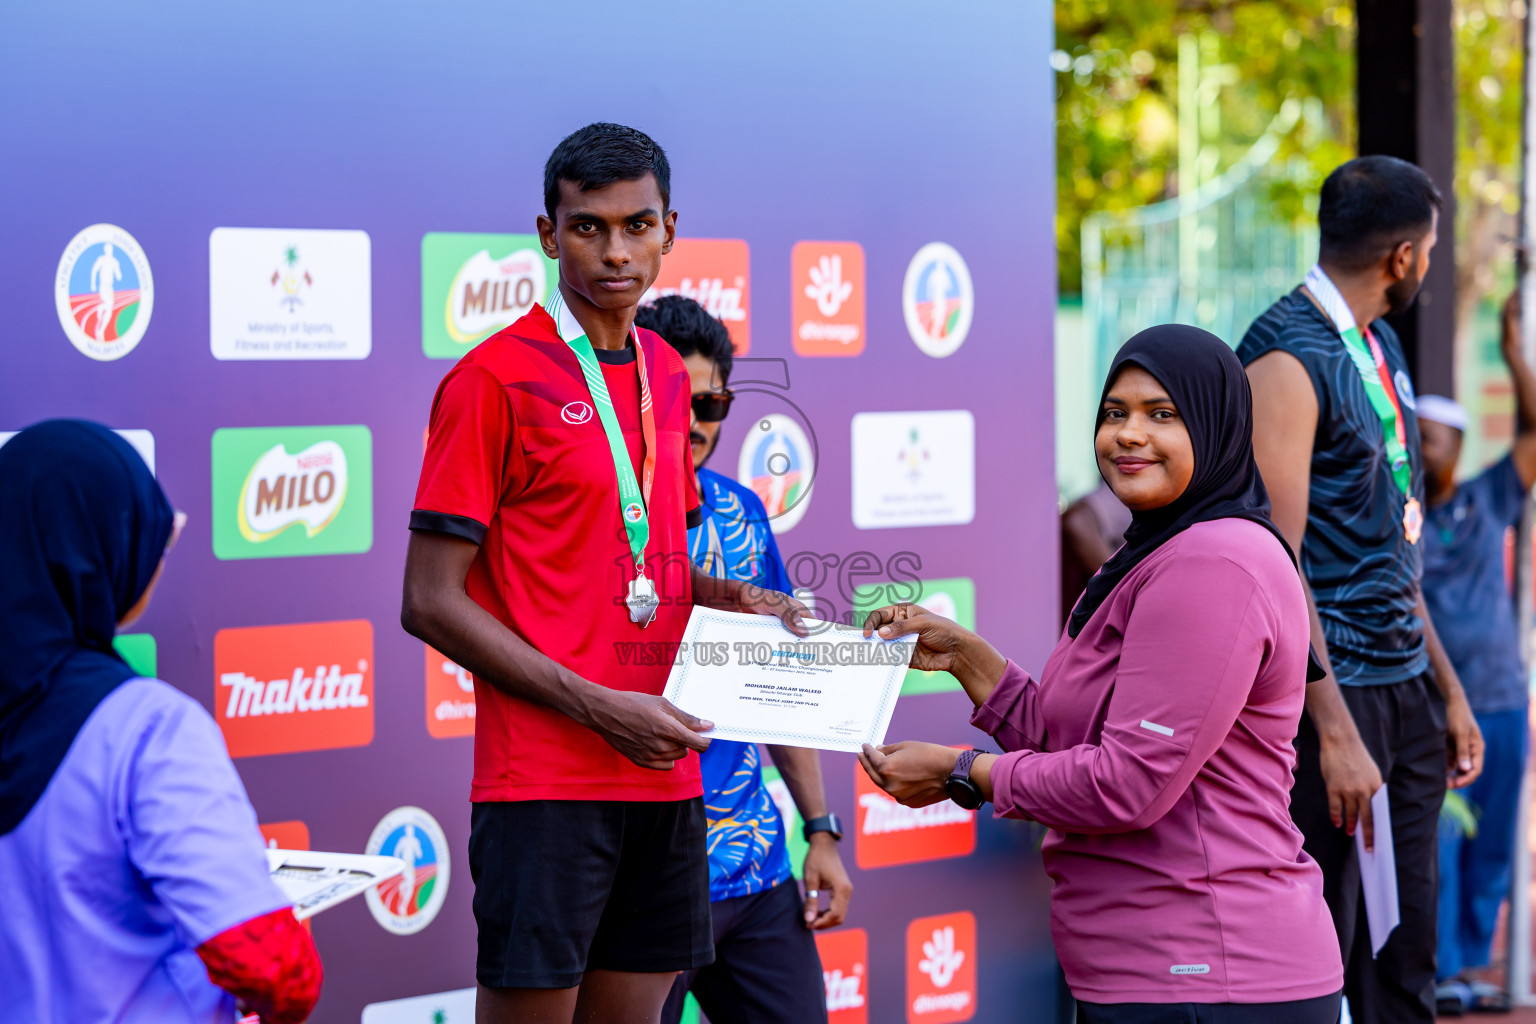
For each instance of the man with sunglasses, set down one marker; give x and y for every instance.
(766, 966)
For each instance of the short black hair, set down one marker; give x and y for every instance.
(599, 155)
(1370, 205)
(688, 327)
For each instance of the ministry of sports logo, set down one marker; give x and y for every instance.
(937, 299)
(104, 292)
(777, 463)
(409, 902)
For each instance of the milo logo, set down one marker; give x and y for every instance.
(284, 491)
(488, 294)
(473, 285)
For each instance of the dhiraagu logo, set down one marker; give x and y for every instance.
(954, 599)
(474, 285)
(285, 491)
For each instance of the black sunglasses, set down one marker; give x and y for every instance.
(711, 406)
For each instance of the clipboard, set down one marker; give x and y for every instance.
(315, 880)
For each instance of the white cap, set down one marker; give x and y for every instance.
(1443, 410)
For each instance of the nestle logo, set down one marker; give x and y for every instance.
(576, 413)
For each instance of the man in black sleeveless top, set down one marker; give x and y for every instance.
(1338, 444)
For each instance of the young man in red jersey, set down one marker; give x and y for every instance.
(549, 532)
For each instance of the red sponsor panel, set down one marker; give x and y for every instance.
(285, 835)
(845, 969)
(715, 273)
(827, 301)
(450, 697)
(887, 833)
(941, 968)
(284, 689)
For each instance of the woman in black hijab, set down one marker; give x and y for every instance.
(128, 850)
(1157, 744)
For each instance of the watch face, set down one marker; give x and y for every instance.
(963, 792)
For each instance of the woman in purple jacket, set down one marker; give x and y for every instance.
(1157, 744)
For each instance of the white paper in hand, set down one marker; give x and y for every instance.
(1378, 873)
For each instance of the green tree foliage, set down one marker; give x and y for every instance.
(1117, 89)
(1117, 119)
(1489, 63)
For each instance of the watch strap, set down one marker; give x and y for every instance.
(829, 823)
(963, 764)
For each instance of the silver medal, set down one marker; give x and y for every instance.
(642, 601)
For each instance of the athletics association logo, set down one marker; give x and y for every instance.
(633, 512)
(292, 491)
(778, 464)
(827, 307)
(941, 969)
(937, 299)
(407, 903)
(715, 273)
(1405, 389)
(285, 689)
(845, 970)
(473, 285)
(887, 833)
(104, 292)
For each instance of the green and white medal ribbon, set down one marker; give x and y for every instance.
(1371, 364)
(634, 496)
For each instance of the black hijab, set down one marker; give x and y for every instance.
(83, 526)
(1210, 390)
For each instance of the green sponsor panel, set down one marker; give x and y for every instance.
(953, 598)
(794, 826)
(279, 492)
(140, 652)
(473, 285)
(690, 1011)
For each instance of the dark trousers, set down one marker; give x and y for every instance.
(1403, 727)
(1322, 1010)
(766, 968)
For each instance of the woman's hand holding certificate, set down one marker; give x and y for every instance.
(833, 689)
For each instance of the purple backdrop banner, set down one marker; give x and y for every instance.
(256, 237)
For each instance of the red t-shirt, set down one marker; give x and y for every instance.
(517, 461)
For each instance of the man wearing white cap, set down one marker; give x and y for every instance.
(1468, 597)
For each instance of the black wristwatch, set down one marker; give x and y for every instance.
(959, 785)
(830, 823)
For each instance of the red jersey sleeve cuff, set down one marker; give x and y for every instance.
(454, 526)
(270, 964)
(695, 516)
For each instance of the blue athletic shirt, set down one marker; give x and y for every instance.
(1466, 591)
(746, 835)
(1363, 572)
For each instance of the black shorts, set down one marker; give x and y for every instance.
(567, 886)
(766, 968)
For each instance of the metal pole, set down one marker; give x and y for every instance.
(1519, 943)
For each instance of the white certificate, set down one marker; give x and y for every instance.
(759, 683)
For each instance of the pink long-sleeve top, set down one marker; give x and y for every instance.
(1157, 749)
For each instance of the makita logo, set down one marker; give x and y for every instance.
(326, 690)
(284, 490)
(722, 303)
(844, 954)
(843, 993)
(283, 689)
(886, 833)
(882, 815)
